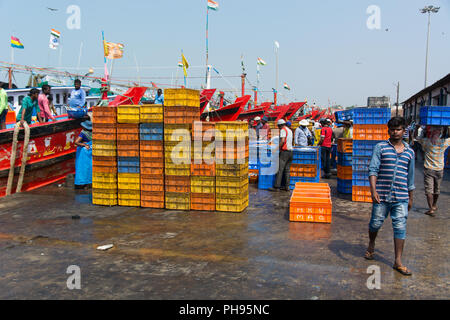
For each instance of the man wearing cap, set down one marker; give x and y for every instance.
(286, 157)
(302, 134)
(263, 129)
(326, 138)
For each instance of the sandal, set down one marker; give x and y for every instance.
(430, 213)
(403, 270)
(369, 255)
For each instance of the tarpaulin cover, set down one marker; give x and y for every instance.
(132, 97)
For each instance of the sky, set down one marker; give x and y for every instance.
(327, 52)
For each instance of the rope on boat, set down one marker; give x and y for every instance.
(13, 158)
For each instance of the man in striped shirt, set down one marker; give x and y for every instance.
(391, 175)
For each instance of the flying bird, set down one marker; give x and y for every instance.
(52, 9)
(387, 30)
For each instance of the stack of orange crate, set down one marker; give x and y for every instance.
(203, 167)
(152, 156)
(311, 202)
(344, 167)
(303, 170)
(104, 151)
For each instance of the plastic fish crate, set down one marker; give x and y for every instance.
(344, 173)
(104, 164)
(304, 170)
(178, 184)
(361, 178)
(98, 200)
(128, 114)
(152, 166)
(177, 169)
(151, 149)
(104, 115)
(236, 191)
(181, 115)
(222, 171)
(309, 217)
(226, 203)
(152, 183)
(360, 163)
(129, 198)
(203, 184)
(344, 186)
(151, 132)
(363, 148)
(370, 132)
(128, 165)
(231, 154)
(203, 131)
(178, 201)
(128, 132)
(203, 169)
(371, 115)
(307, 155)
(104, 131)
(345, 145)
(361, 194)
(266, 181)
(152, 113)
(104, 148)
(129, 181)
(154, 200)
(435, 116)
(203, 202)
(345, 159)
(128, 148)
(177, 132)
(295, 180)
(344, 115)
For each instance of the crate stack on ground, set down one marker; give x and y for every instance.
(181, 110)
(128, 152)
(311, 202)
(232, 163)
(268, 169)
(151, 133)
(203, 167)
(370, 128)
(305, 166)
(344, 167)
(104, 155)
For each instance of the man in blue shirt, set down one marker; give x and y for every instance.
(302, 134)
(159, 99)
(391, 175)
(78, 96)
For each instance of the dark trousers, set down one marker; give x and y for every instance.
(284, 168)
(326, 160)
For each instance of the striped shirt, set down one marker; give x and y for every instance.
(434, 153)
(394, 171)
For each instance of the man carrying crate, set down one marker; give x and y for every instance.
(391, 175)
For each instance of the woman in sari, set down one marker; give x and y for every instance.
(83, 163)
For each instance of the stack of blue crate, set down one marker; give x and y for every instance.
(363, 149)
(267, 167)
(344, 168)
(344, 115)
(435, 116)
(308, 156)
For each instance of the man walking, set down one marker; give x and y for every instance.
(434, 147)
(286, 157)
(391, 175)
(326, 137)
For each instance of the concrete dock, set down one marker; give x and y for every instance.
(257, 254)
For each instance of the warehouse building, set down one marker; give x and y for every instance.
(435, 95)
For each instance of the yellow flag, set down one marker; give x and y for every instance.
(185, 64)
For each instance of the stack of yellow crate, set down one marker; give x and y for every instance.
(104, 152)
(179, 116)
(129, 186)
(232, 151)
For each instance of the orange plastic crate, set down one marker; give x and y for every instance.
(151, 149)
(203, 170)
(345, 145)
(127, 148)
(308, 185)
(316, 218)
(152, 166)
(107, 115)
(104, 164)
(104, 131)
(344, 173)
(128, 132)
(361, 194)
(152, 183)
(152, 199)
(203, 131)
(370, 132)
(178, 184)
(233, 153)
(253, 175)
(303, 170)
(181, 115)
(203, 201)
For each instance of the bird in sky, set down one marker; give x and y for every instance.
(52, 9)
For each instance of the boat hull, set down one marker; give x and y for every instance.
(228, 113)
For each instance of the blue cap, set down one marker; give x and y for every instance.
(288, 123)
(87, 125)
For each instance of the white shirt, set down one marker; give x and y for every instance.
(287, 133)
(301, 136)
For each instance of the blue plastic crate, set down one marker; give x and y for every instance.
(361, 178)
(364, 148)
(345, 115)
(128, 170)
(344, 186)
(306, 153)
(371, 115)
(152, 131)
(437, 116)
(360, 163)
(266, 181)
(294, 180)
(128, 162)
(345, 159)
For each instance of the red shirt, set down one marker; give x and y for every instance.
(328, 133)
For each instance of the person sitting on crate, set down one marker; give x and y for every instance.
(83, 162)
(159, 99)
(434, 147)
(391, 177)
(302, 135)
(286, 157)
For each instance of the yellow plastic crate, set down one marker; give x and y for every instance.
(152, 113)
(129, 198)
(98, 201)
(128, 114)
(177, 169)
(104, 180)
(203, 184)
(129, 181)
(129, 203)
(232, 182)
(177, 132)
(235, 191)
(104, 148)
(232, 199)
(178, 201)
(182, 102)
(231, 207)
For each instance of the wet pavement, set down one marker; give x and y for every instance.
(257, 254)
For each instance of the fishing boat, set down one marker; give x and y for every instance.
(227, 113)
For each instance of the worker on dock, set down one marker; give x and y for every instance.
(3, 108)
(286, 157)
(159, 99)
(326, 139)
(29, 105)
(77, 96)
(391, 176)
(303, 136)
(44, 104)
(434, 146)
(83, 162)
(263, 129)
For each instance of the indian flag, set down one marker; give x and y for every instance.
(261, 62)
(180, 64)
(54, 39)
(55, 33)
(286, 86)
(15, 43)
(213, 5)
